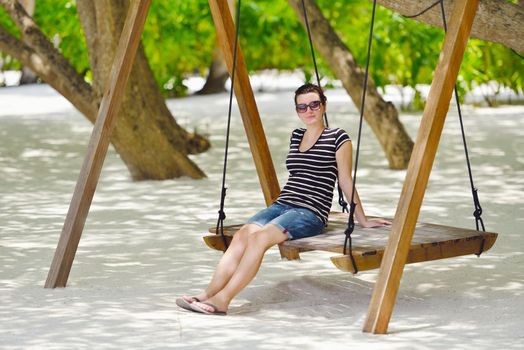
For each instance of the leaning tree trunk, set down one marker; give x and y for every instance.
(147, 138)
(381, 116)
(496, 20)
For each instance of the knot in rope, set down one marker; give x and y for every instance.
(477, 213)
(343, 204)
(349, 230)
(221, 213)
(222, 216)
(479, 223)
(478, 209)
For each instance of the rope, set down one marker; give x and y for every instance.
(313, 53)
(221, 213)
(476, 203)
(443, 15)
(343, 204)
(351, 221)
(516, 53)
(425, 10)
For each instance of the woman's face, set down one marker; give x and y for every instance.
(309, 108)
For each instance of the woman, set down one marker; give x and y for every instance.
(316, 156)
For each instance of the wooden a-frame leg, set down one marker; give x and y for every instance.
(225, 30)
(98, 144)
(395, 255)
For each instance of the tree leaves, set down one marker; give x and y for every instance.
(179, 39)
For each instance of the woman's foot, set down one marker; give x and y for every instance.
(199, 297)
(185, 301)
(211, 306)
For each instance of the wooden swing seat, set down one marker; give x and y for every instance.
(430, 242)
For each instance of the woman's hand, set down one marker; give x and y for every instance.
(375, 223)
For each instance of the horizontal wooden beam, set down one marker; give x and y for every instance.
(498, 21)
(430, 242)
(418, 254)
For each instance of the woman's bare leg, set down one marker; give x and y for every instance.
(258, 244)
(229, 261)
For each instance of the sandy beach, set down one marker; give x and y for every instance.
(142, 246)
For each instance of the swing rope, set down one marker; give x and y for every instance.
(425, 10)
(351, 224)
(221, 213)
(351, 220)
(476, 203)
(341, 200)
(479, 223)
(313, 53)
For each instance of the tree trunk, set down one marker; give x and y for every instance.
(146, 136)
(218, 73)
(381, 116)
(217, 76)
(497, 20)
(28, 76)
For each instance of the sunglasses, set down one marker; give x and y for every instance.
(302, 107)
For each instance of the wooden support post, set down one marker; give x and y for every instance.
(396, 252)
(98, 144)
(225, 30)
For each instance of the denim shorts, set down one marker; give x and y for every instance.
(294, 222)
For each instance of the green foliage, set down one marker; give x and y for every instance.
(405, 52)
(7, 61)
(273, 37)
(8, 24)
(486, 62)
(58, 20)
(179, 39)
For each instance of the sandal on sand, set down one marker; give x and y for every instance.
(185, 302)
(199, 309)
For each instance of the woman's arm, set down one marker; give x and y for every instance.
(344, 158)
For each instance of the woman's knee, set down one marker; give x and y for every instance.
(241, 236)
(267, 237)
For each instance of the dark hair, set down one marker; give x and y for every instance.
(307, 88)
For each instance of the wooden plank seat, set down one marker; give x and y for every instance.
(430, 242)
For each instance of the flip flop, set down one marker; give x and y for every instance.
(215, 311)
(185, 303)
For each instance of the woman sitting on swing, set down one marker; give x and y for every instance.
(317, 155)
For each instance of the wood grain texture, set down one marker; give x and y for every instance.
(430, 242)
(498, 21)
(426, 144)
(225, 30)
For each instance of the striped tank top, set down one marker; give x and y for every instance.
(312, 173)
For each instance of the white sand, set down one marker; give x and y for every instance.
(141, 246)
